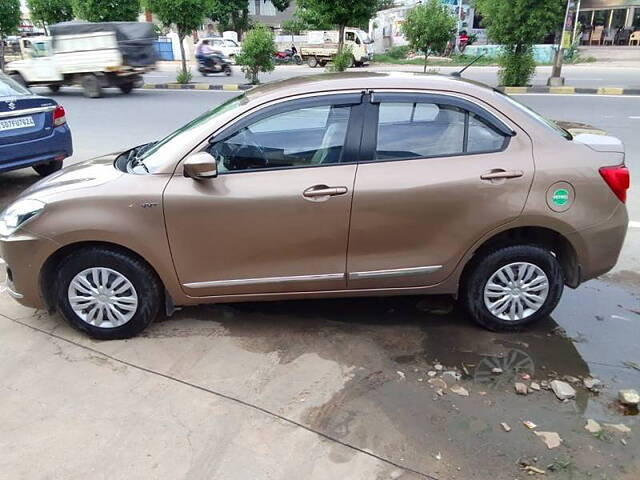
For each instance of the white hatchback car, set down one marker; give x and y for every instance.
(227, 46)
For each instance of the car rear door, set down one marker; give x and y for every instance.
(437, 173)
(276, 219)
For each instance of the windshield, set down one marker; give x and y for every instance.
(364, 38)
(152, 162)
(536, 116)
(11, 88)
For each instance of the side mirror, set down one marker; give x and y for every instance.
(200, 165)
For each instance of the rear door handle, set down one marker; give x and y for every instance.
(324, 191)
(498, 174)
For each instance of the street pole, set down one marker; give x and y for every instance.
(568, 29)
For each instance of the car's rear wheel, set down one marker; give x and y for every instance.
(91, 86)
(45, 169)
(106, 293)
(54, 88)
(312, 62)
(512, 287)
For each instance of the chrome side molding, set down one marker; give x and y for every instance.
(265, 280)
(396, 272)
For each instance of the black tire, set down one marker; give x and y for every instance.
(91, 86)
(54, 88)
(45, 169)
(139, 273)
(16, 77)
(297, 59)
(480, 271)
(312, 62)
(126, 88)
(227, 70)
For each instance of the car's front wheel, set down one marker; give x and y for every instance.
(107, 293)
(512, 287)
(45, 169)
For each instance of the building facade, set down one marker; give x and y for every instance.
(610, 14)
(265, 12)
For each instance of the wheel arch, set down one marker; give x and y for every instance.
(545, 237)
(49, 269)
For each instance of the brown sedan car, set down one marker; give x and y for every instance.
(327, 186)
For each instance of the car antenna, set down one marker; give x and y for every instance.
(459, 74)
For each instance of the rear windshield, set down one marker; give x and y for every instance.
(536, 116)
(11, 88)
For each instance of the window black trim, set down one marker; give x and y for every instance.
(446, 100)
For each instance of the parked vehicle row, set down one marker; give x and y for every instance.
(429, 180)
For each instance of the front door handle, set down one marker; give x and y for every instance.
(324, 191)
(498, 174)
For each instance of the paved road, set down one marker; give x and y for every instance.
(586, 75)
(318, 389)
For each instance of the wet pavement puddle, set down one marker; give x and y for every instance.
(385, 402)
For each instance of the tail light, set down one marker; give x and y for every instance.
(617, 178)
(59, 116)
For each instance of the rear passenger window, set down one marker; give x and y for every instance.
(418, 130)
(414, 130)
(483, 137)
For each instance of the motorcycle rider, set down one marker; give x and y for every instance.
(203, 52)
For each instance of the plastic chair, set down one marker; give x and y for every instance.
(623, 36)
(634, 39)
(586, 36)
(609, 36)
(596, 36)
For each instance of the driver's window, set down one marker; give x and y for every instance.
(303, 137)
(350, 36)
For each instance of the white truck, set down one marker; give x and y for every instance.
(322, 45)
(94, 55)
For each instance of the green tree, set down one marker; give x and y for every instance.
(518, 25)
(107, 11)
(258, 52)
(429, 27)
(185, 15)
(47, 12)
(337, 13)
(9, 23)
(234, 14)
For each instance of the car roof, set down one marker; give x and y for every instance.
(366, 81)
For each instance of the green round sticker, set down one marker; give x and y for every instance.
(560, 197)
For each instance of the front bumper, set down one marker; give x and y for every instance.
(22, 256)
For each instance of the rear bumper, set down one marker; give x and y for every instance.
(56, 146)
(598, 247)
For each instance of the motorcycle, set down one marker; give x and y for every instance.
(214, 63)
(288, 56)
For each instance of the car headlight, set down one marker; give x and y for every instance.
(17, 214)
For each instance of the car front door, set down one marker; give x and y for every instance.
(439, 172)
(276, 218)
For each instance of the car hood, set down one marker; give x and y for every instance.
(84, 175)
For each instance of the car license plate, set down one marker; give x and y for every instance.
(13, 123)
